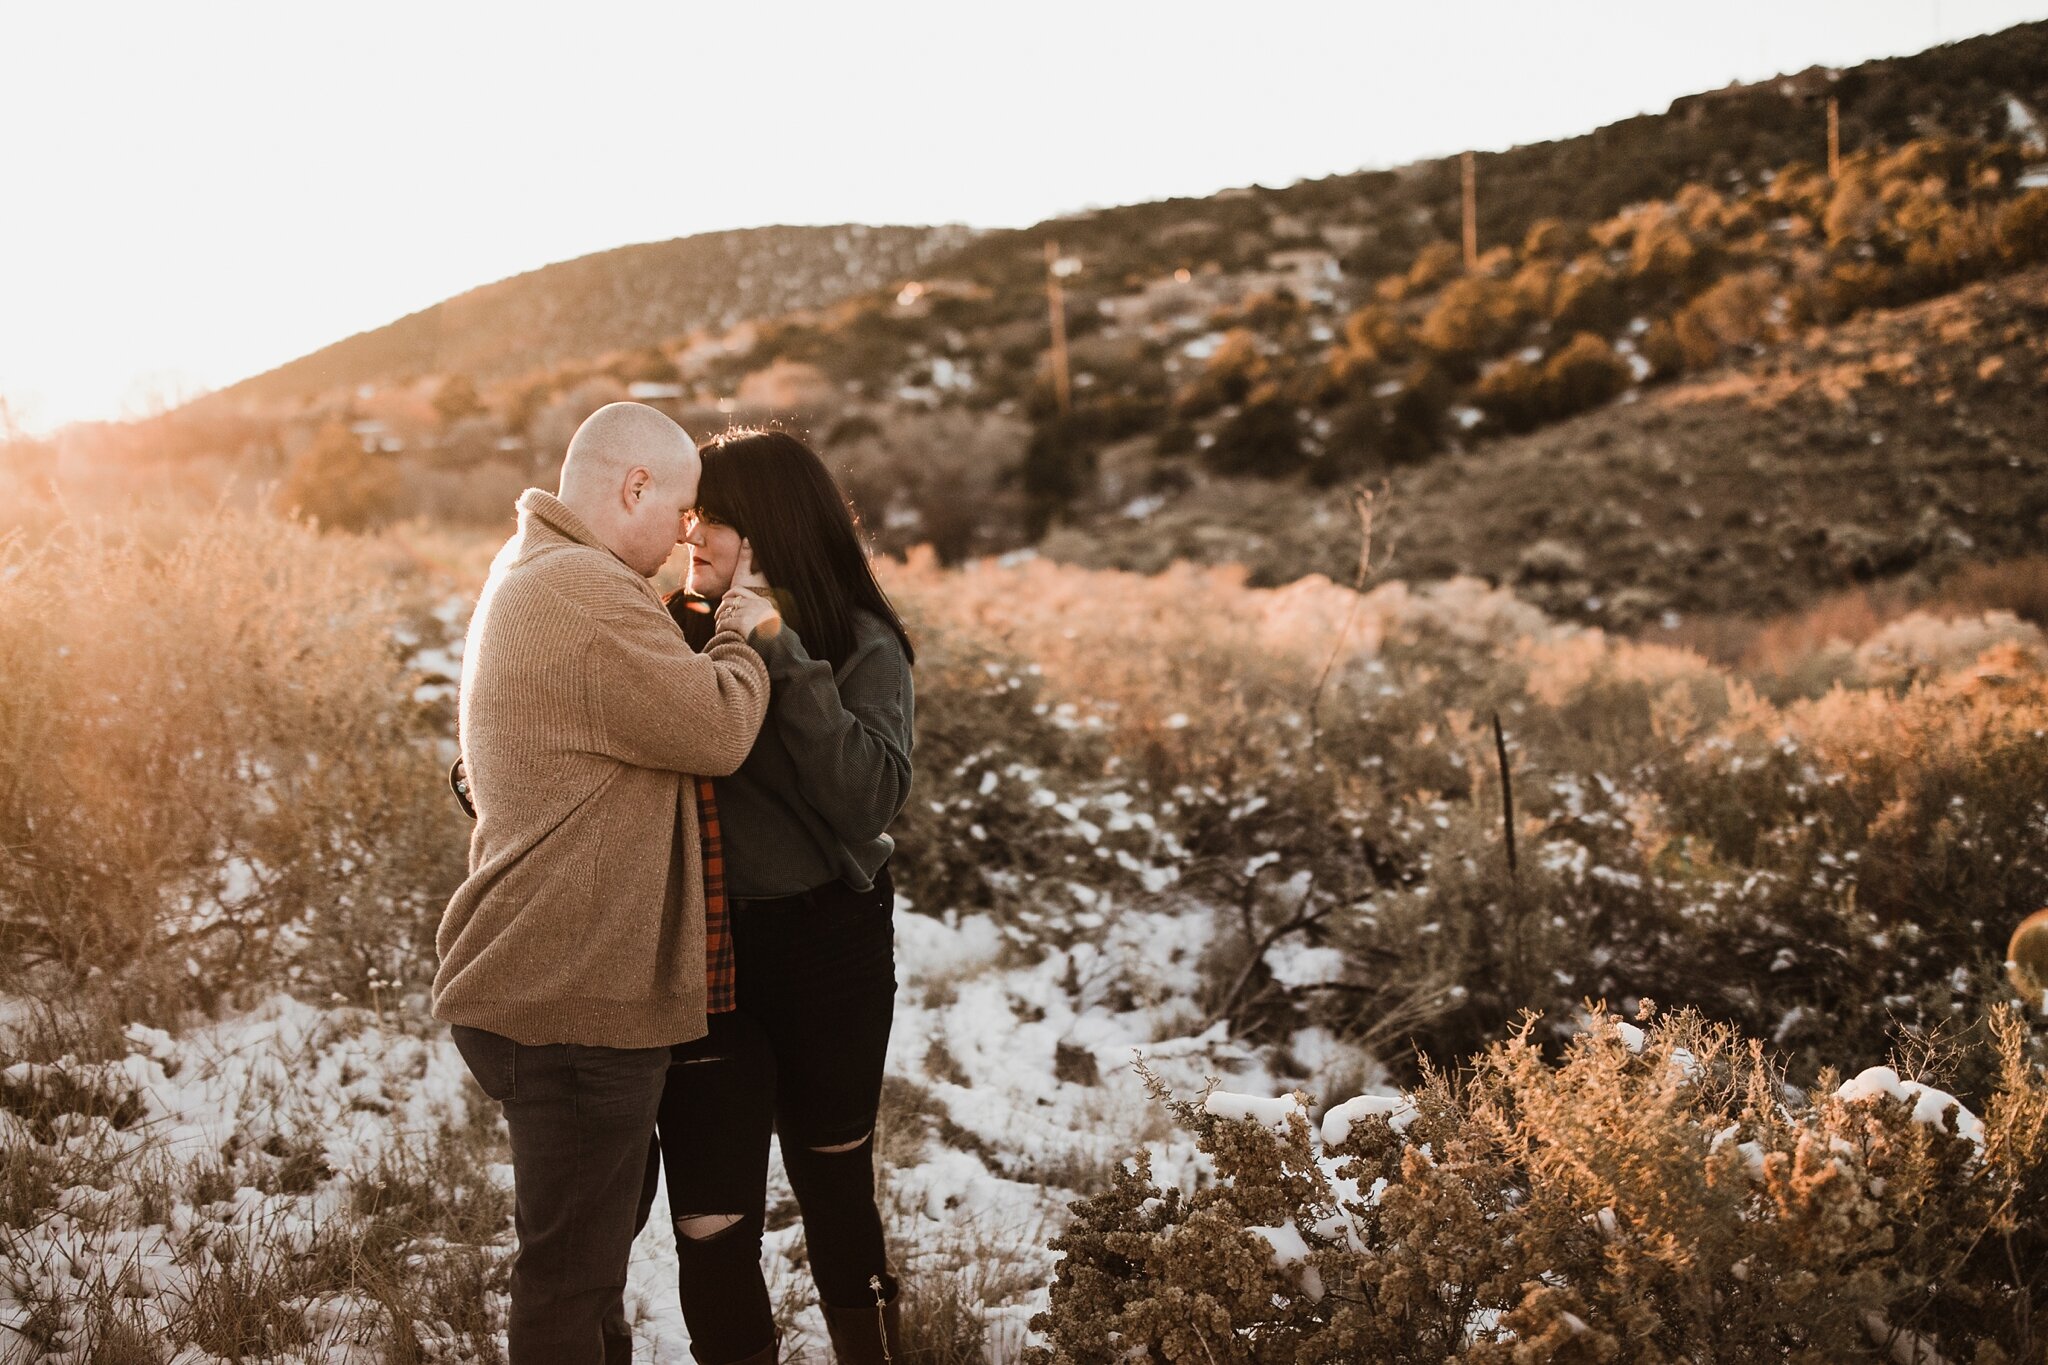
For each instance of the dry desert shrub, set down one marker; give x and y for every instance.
(1809, 651)
(1191, 675)
(2018, 585)
(1831, 873)
(939, 479)
(225, 779)
(1656, 1193)
(216, 771)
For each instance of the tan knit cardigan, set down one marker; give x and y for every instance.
(582, 919)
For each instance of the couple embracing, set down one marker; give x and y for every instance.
(675, 937)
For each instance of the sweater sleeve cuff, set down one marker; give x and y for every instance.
(724, 637)
(781, 649)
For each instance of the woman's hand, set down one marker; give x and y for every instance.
(749, 604)
(746, 575)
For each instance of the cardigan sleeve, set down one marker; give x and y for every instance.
(656, 702)
(663, 706)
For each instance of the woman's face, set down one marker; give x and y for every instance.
(714, 554)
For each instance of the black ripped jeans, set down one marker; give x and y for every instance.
(802, 1056)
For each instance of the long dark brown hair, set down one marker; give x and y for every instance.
(775, 491)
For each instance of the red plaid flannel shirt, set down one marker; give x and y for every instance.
(719, 970)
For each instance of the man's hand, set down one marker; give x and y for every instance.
(748, 605)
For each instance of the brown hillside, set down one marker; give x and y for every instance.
(612, 300)
(1372, 223)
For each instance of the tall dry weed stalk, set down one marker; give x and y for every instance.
(1362, 505)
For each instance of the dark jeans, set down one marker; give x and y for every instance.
(801, 1055)
(580, 1119)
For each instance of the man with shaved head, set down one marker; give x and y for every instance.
(574, 955)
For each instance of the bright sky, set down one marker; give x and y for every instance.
(196, 192)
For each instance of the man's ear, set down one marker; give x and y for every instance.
(638, 480)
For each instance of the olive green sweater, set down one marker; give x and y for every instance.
(813, 802)
(581, 709)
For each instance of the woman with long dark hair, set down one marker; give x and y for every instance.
(806, 850)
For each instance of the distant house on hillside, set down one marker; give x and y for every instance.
(1305, 272)
(1344, 236)
(915, 299)
(2024, 126)
(1181, 294)
(1313, 266)
(376, 436)
(696, 359)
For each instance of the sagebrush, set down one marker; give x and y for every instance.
(1656, 1193)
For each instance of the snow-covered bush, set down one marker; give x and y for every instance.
(1656, 1192)
(1860, 859)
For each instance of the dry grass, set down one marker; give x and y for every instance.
(220, 776)
(944, 1321)
(121, 1247)
(235, 787)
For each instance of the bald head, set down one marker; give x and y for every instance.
(615, 440)
(630, 474)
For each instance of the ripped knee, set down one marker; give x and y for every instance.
(844, 1146)
(702, 1227)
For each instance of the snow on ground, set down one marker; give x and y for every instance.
(1012, 1091)
(245, 1139)
(1030, 1062)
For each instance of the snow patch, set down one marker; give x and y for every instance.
(1930, 1106)
(1290, 1249)
(1273, 1113)
(1398, 1110)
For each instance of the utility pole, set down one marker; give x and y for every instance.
(1834, 138)
(1055, 303)
(1471, 195)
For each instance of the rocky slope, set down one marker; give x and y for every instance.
(1904, 442)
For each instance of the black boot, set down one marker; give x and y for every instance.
(871, 1334)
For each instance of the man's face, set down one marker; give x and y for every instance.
(655, 514)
